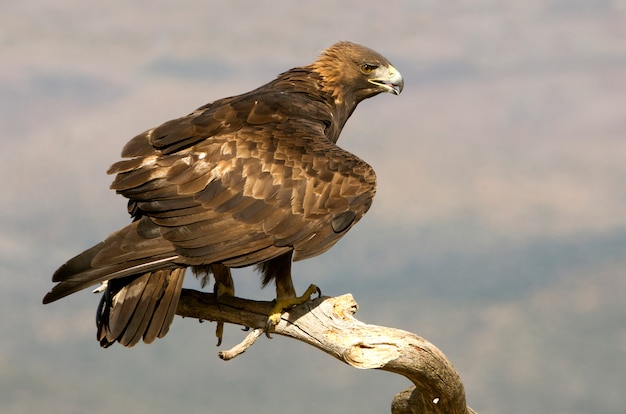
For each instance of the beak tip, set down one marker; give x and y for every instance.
(397, 82)
(396, 87)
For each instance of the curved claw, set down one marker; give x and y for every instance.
(268, 325)
(219, 332)
(274, 318)
(219, 290)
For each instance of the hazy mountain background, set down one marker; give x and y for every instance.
(498, 232)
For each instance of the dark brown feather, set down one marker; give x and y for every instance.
(137, 307)
(250, 179)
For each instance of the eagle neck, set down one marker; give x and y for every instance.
(340, 114)
(339, 103)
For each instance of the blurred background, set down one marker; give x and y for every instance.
(498, 231)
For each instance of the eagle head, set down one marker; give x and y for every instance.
(352, 72)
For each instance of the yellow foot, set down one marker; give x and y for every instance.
(220, 290)
(281, 305)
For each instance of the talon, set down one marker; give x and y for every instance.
(219, 290)
(268, 326)
(274, 317)
(309, 292)
(219, 332)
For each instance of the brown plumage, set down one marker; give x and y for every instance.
(249, 179)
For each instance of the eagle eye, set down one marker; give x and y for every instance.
(367, 68)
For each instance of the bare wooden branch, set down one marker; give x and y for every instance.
(328, 323)
(240, 348)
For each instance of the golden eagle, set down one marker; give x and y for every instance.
(253, 179)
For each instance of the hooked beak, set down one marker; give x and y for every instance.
(391, 81)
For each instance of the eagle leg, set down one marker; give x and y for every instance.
(280, 305)
(224, 286)
(278, 269)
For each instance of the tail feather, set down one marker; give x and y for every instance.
(166, 309)
(143, 306)
(138, 311)
(128, 297)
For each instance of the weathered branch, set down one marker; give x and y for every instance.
(329, 325)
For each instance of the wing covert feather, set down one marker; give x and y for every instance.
(249, 179)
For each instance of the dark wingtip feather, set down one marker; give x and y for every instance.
(75, 274)
(77, 264)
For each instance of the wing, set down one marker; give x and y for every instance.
(244, 180)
